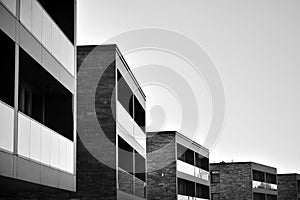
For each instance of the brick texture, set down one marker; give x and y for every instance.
(161, 166)
(235, 181)
(287, 187)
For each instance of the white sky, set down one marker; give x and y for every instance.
(255, 47)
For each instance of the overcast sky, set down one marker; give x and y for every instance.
(253, 45)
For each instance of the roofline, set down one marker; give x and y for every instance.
(247, 162)
(116, 48)
(295, 174)
(182, 136)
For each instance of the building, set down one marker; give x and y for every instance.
(38, 96)
(288, 186)
(111, 161)
(177, 167)
(243, 181)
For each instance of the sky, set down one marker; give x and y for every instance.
(251, 47)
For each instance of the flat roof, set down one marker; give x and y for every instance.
(247, 162)
(180, 135)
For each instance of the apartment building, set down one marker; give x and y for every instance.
(111, 162)
(243, 181)
(288, 186)
(38, 96)
(177, 167)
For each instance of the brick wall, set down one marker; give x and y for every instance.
(161, 166)
(235, 181)
(287, 187)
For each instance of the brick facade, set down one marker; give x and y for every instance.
(235, 181)
(161, 166)
(287, 187)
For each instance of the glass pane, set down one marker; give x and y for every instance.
(11, 5)
(62, 153)
(70, 157)
(46, 32)
(54, 150)
(45, 145)
(35, 141)
(55, 42)
(124, 119)
(37, 14)
(7, 127)
(25, 13)
(185, 168)
(23, 135)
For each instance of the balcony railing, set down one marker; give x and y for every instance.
(7, 127)
(183, 197)
(10, 4)
(41, 144)
(130, 184)
(263, 185)
(46, 31)
(192, 170)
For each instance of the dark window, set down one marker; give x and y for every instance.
(202, 162)
(271, 197)
(298, 183)
(186, 187)
(202, 191)
(140, 166)
(7, 69)
(258, 176)
(184, 154)
(271, 178)
(259, 196)
(125, 95)
(215, 196)
(139, 114)
(215, 176)
(62, 12)
(43, 98)
(125, 155)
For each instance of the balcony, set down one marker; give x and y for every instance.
(7, 127)
(46, 31)
(43, 145)
(264, 185)
(192, 170)
(130, 184)
(183, 197)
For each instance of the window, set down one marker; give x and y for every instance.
(215, 176)
(139, 114)
(202, 162)
(186, 187)
(62, 12)
(125, 155)
(184, 154)
(125, 95)
(43, 98)
(271, 197)
(258, 196)
(7, 69)
(215, 196)
(298, 184)
(140, 166)
(258, 176)
(271, 178)
(202, 191)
